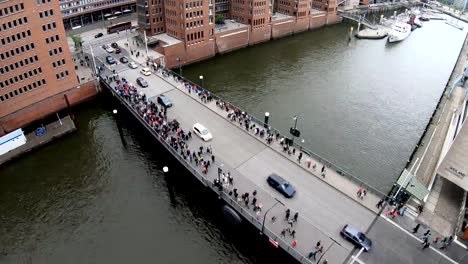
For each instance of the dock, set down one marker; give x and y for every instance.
(54, 131)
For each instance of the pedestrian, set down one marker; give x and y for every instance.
(254, 192)
(299, 157)
(283, 233)
(273, 219)
(363, 194)
(246, 201)
(312, 254)
(287, 214)
(254, 200)
(317, 246)
(293, 233)
(436, 239)
(427, 232)
(403, 210)
(325, 261)
(213, 158)
(426, 245)
(323, 168)
(416, 228)
(294, 243)
(290, 222)
(380, 203)
(296, 215)
(308, 162)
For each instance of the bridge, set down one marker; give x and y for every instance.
(359, 19)
(325, 201)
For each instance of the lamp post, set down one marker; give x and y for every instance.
(165, 169)
(180, 67)
(201, 81)
(266, 213)
(294, 132)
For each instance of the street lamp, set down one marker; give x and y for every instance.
(180, 67)
(165, 169)
(201, 80)
(294, 132)
(266, 213)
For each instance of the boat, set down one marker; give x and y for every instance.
(400, 31)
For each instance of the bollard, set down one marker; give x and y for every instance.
(267, 116)
(381, 17)
(350, 33)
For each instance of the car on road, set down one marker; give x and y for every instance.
(281, 185)
(358, 238)
(133, 65)
(142, 82)
(114, 45)
(145, 71)
(164, 101)
(110, 60)
(117, 51)
(109, 49)
(123, 59)
(98, 35)
(201, 131)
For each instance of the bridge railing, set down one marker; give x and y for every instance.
(341, 171)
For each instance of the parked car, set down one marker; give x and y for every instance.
(164, 101)
(110, 60)
(145, 71)
(114, 45)
(117, 51)
(281, 185)
(109, 49)
(358, 238)
(133, 65)
(202, 132)
(123, 59)
(98, 35)
(142, 82)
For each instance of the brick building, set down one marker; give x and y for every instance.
(35, 61)
(151, 16)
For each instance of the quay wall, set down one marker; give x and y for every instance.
(230, 40)
(47, 107)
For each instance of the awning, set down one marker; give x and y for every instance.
(412, 185)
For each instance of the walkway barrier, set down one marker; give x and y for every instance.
(169, 73)
(206, 181)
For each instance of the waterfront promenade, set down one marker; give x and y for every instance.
(324, 205)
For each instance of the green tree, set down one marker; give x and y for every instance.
(77, 40)
(219, 19)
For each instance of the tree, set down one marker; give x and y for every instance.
(77, 41)
(219, 19)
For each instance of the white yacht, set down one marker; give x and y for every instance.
(400, 31)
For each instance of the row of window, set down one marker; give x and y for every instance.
(194, 14)
(15, 37)
(258, 22)
(38, 2)
(11, 9)
(194, 24)
(14, 23)
(193, 4)
(58, 63)
(172, 33)
(17, 50)
(61, 75)
(52, 39)
(87, 7)
(158, 19)
(21, 77)
(158, 30)
(49, 26)
(18, 64)
(23, 89)
(171, 12)
(285, 3)
(170, 3)
(46, 13)
(55, 51)
(195, 36)
(171, 22)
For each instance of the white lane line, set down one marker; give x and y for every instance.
(356, 258)
(417, 238)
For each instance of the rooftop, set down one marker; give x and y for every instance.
(279, 16)
(229, 25)
(166, 39)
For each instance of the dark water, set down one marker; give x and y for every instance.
(363, 105)
(89, 199)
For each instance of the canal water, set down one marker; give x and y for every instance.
(362, 105)
(90, 198)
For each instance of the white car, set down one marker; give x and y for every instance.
(202, 132)
(145, 71)
(109, 49)
(133, 65)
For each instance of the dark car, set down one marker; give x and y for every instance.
(281, 185)
(164, 101)
(98, 35)
(142, 82)
(353, 234)
(117, 50)
(110, 60)
(114, 45)
(123, 60)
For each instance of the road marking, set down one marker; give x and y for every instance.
(417, 238)
(356, 258)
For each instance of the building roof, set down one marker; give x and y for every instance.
(454, 166)
(166, 39)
